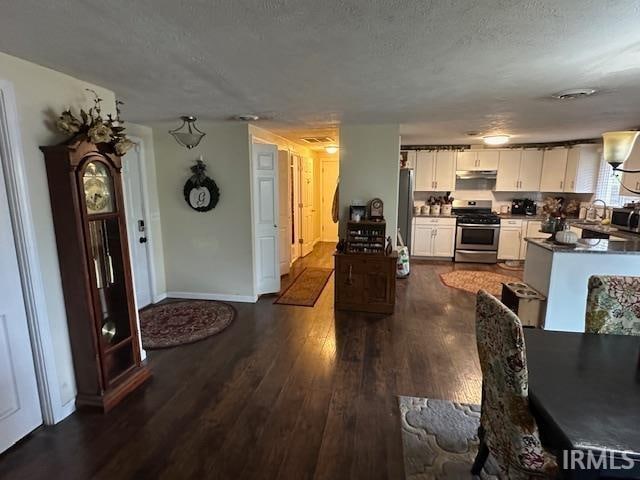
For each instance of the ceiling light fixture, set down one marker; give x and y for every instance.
(617, 148)
(496, 139)
(331, 149)
(574, 93)
(248, 117)
(187, 134)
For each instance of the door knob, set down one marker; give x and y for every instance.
(143, 239)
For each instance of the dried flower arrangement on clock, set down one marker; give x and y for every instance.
(95, 128)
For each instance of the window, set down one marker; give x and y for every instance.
(608, 187)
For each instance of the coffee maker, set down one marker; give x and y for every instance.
(529, 207)
(517, 206)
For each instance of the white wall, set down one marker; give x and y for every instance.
(369, 168)
(155, 228)
(41, 94)
(207, 254)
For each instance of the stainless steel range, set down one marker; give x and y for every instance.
(477, 231)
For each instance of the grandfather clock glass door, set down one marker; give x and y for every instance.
(104, 241)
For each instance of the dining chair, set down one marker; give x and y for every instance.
(613, 305)
(507, 428)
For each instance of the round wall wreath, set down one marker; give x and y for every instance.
(201, 192)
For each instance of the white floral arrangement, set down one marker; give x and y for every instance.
(96, 129)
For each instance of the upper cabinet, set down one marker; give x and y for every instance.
(410, 156)
(435, 171)
(478, 160)
(554, 167)
(519, 171)
(582, 169)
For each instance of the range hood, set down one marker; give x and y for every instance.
(476, 174)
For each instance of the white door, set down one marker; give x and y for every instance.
(284, 222)
(19, 403)
(265, 217)
(530, 170)
(296, 207)
(444, 173)
(554, 166)
(329, 182)
(424, 171)
(508, 179)
(509, 244)
(137, 225)
(307, 205)
(444, 241)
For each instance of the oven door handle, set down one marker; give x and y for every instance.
(475, 225)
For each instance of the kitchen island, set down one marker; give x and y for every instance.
(562, 272)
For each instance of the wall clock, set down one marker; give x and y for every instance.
(200, 192)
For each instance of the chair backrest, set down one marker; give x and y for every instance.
(613, 305)
(510, 429)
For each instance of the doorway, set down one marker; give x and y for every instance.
(133, 165)
(329, 181)
(295, 206)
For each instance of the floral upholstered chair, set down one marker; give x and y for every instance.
(613, 305)
(508, 430)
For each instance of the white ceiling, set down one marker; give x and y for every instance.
(439, 68)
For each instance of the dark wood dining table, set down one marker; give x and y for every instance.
(584, 390)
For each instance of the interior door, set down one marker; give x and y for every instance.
(265, 217)
(284, 222)
(329, 182)
(137, 226)
(19, 403)
(296, 204)
(307, 205)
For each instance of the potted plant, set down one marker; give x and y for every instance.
(557, 210)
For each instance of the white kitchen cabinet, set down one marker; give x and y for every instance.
(582, 169)
(444, 241)
(519, 171)
(631, 180)
(433, 237)
(554, 167)
(509, 243)
(530, 229)
(435, 171)
(478, 160)
(530, 170)
(411, 157)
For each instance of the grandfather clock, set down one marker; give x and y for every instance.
(88, 215)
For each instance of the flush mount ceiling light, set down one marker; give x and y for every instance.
(331, 149)
(574, 93)
(496, 139)
(247, 117)
(187, 134)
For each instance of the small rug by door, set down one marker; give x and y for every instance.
(440, 439)
(473, 280)
(306, 288)
(179, 323)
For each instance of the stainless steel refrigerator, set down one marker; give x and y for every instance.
(405, 205)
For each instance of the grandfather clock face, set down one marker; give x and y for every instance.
(98, 188)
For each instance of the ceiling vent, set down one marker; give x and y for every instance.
(574, 93)
(316, 140)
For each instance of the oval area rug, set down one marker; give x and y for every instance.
(179, 323)
(473, 280)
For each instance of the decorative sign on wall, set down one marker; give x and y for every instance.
(200, 191)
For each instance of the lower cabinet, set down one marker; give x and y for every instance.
(365, 282)
(509, 243)
(433, 237)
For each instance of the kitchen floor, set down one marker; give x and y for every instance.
(285, 392)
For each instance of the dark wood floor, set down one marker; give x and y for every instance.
(285, 392)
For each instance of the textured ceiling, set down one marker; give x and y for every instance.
(439, 68)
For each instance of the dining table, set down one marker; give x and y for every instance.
(584, 392)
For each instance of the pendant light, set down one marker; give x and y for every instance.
(617, 147)
(187, 134)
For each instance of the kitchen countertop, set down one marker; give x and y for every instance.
(434, 216)
(591, 245)
(511, 216)
(606, 229)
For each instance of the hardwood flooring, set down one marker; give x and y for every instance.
(285, 392)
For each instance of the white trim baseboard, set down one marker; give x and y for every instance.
(159, 297)
(223, 297)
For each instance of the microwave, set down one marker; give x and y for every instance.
(627, 219)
